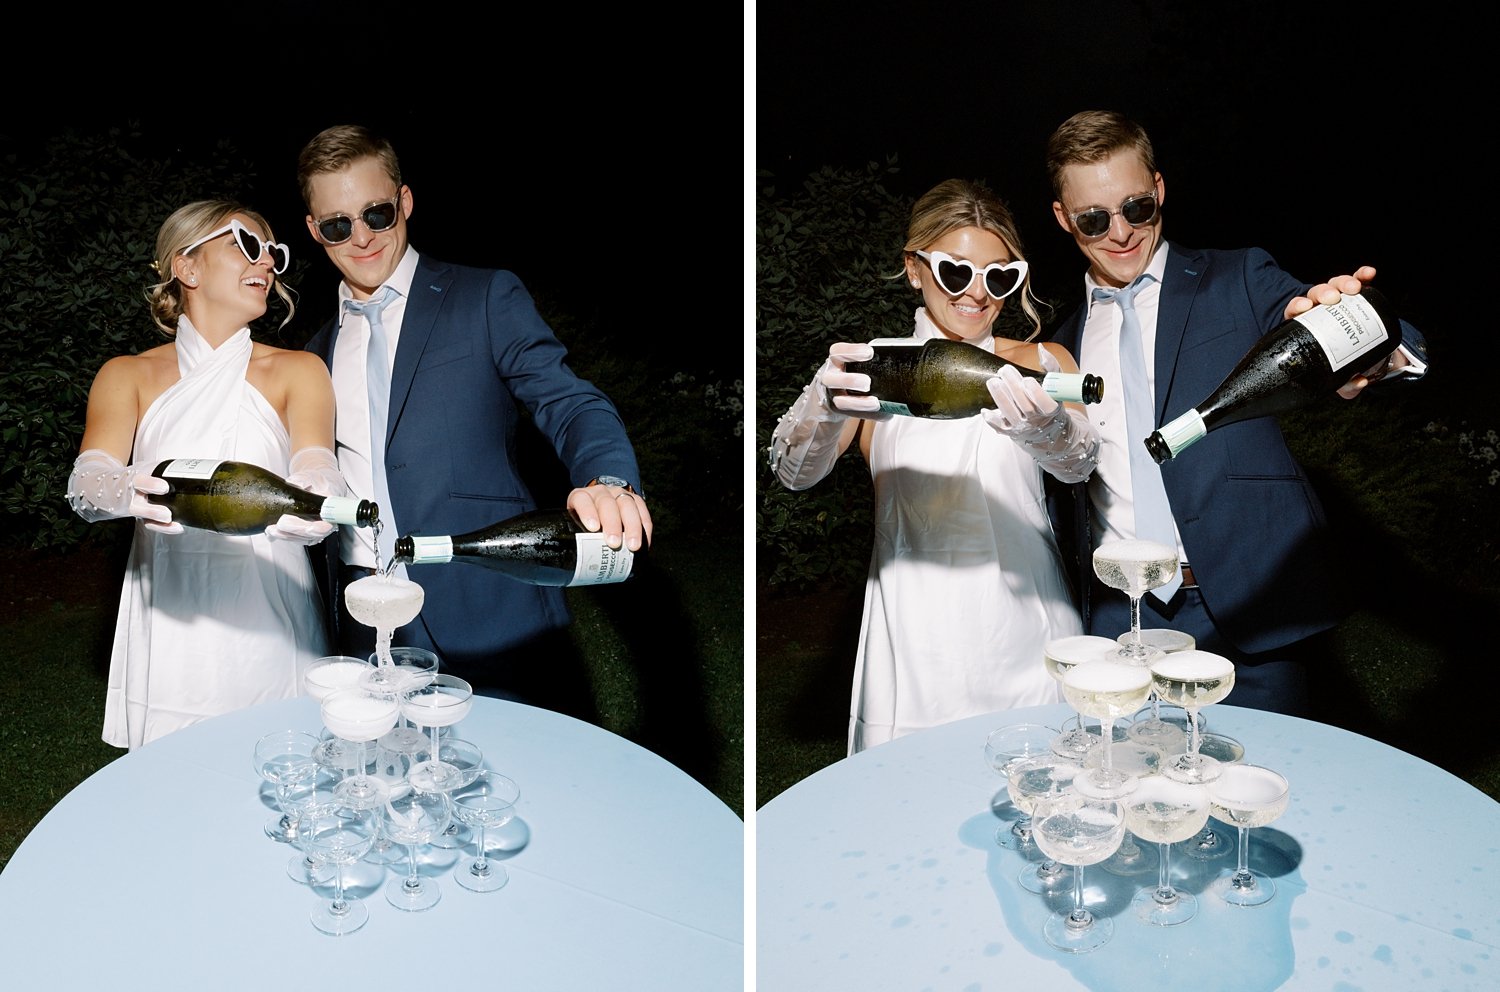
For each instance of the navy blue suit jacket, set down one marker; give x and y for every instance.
(472, 352)
(1251, 524)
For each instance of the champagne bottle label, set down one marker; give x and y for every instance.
(599, 563)
(1177, 435)
(191, 468)
(1345, 330)
(431, 550)
(341, 510)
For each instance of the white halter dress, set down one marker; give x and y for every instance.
(209, 623)
(966, 583)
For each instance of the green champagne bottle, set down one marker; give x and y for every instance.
(231, 497)
(544, 547)
(942, 379)
(1303, 359)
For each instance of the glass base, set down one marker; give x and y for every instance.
(1066, 933)
(412, 897)
(480, 876)
(1015, 836)
(1225, 750)
(1044, 877)
(1163, 735)
(1207, 844)
(282, 829)
(1074, 744)
(1129, 758)
(1096, 783)
(1237, 890)
(455, 838)
(383, 852)
(305, 871)
(337, 920)
(362, 791)
(1150, 907)
(1131, 858)
(1194, 769)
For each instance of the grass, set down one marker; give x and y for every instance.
(665, 652)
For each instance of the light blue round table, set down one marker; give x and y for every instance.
(881, 872)
(155, 873)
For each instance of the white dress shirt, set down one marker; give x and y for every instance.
(352, 407)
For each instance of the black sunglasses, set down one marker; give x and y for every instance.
(1138, 211)
(378, 217)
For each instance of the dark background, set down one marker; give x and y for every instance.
(534, 138)
(1330, 135)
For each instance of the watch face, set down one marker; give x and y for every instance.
(612, 480)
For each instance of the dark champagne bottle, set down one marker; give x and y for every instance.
(239, 498)
(942, 379)
(543, 547)
(1307, 357)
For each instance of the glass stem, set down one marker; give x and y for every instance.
(1164, 892)
(1107, 740)
(1192, 713)
(1080, 916)
(1242, 876)
(338, 890)
(1135, 623)
(411, 854)
(480, 864)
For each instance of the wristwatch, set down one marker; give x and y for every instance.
(613, 480)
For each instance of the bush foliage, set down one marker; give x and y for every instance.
(822, 255)
(78, 220)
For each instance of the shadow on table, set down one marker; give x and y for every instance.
(1243, 950)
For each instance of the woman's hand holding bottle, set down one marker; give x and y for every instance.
(104, 488)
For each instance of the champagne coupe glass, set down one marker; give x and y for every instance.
(323, 676)
(296, 795)
(339, 835)
(284, 754)
(1166, 811)
(1208, 843)
(384, 602)
(1004, 746)
(1060, 654)
(1141, 761)
(1135, 567)
(1153, 730)
(466, 762)
(407, 668)
(1106, 690)
(441, 702)
(1032, 780)
(412, 817)
(359, 717)
(1247, 796)
(488, 802)
(1192, 679)
(1078, 831)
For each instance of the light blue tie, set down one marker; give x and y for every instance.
(378, 389)
(1153, 514)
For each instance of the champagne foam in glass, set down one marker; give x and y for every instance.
(384, 602)
(1106, 689)
(1193, 678)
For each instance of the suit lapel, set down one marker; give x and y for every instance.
(1184, 274)
(428, 285)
